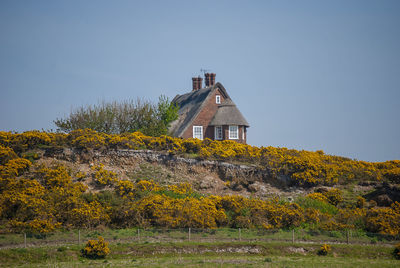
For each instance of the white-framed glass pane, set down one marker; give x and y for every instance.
(218, 99)
(198, 132)
(218, 132)
(233, 132)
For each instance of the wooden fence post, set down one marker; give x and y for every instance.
(138, 235)
(189, 233)
(347, 236)
(240, 234)
(25, 240)
(292, 236)
(79, 237)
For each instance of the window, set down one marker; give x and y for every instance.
(198, 132)
(218, 99)
(233, 132)
(218, 132)
(244, 129)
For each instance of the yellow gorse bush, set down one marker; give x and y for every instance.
(96, 249)
(48, 197)
(304, 167)
(318, 196)
(332, 196)
(324, 250)
(103, 176)
(384, 220)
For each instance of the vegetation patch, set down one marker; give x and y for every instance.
(96, 249)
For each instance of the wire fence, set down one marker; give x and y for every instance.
(137, 235)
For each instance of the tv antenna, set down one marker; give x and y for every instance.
(204, 71)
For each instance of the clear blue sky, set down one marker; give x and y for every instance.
(306, 74)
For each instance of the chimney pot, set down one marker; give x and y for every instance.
(207, 79)
(199, 82)
(195, 84)
(210, 79)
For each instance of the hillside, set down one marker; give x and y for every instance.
(88, 179)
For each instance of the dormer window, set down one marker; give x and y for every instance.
(218, 99)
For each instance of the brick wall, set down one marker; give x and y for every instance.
(204, 118)
(225, 131)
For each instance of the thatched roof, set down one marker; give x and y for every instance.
(190, 105)
(228, 114)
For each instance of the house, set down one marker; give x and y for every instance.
(208, 112)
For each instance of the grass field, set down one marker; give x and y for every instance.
(200, 254)
(196, 235)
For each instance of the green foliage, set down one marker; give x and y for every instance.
(396, 252)
(122, 117)
(306, 202)
(166, 111)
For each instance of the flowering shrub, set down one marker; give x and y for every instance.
(96, 249)
(80, 175)
(87, 138)
(384, 220)
(334, 196)
(14, 167)
(184, 189)
(324, 250)
(29, 140)
(89, 214)
(48, 197)
(6, 154)
(360, 202)
(312, 215)
(104, 177)
(147, 186)
(35, 226)
(318, 196)
(304, 167)
(127, 141)
(125, 188)
(192, 145)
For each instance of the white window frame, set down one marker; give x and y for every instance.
(218, 99)
(243, 130)
(218, 132)
(199, 131)
(233, 132)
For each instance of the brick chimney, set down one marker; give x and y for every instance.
(197, 83)
(210, 79)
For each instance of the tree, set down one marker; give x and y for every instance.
(121, 117)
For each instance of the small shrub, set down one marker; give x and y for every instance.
(396, 251)
(268, 260)
(61, 249)
(324, 250)
(31, 156)
(360, 203)
(96, 249)
(374, 240)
